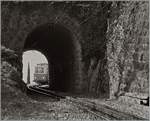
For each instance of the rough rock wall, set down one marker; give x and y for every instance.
(128, 47)
(94, 50)
(11, 81)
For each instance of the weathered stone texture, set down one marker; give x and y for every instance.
(127, 48)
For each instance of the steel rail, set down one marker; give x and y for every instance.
(90, 111)
(58, 96)
(102, 111)
(50, 95)
(51, 92)
(113, 112)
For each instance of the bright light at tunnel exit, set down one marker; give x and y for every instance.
(32, 57)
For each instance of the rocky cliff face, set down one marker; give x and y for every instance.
(127, 47)
(12, 86)
(11, 76)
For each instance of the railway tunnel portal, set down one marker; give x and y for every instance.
(72, 36)
(71, 41)
(56, 43)
(87, 41)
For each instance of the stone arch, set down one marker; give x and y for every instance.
(22, 23)
(57, 42)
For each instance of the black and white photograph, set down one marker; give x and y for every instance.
(74, 60)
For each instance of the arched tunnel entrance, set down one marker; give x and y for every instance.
(56, 43)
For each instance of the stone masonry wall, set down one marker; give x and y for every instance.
(86, 22)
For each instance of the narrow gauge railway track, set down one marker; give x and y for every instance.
(108, 112)
(44, 92)
(99, 110)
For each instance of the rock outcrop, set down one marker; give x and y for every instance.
(127, 48)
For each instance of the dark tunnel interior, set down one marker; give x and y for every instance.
(55, 42)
